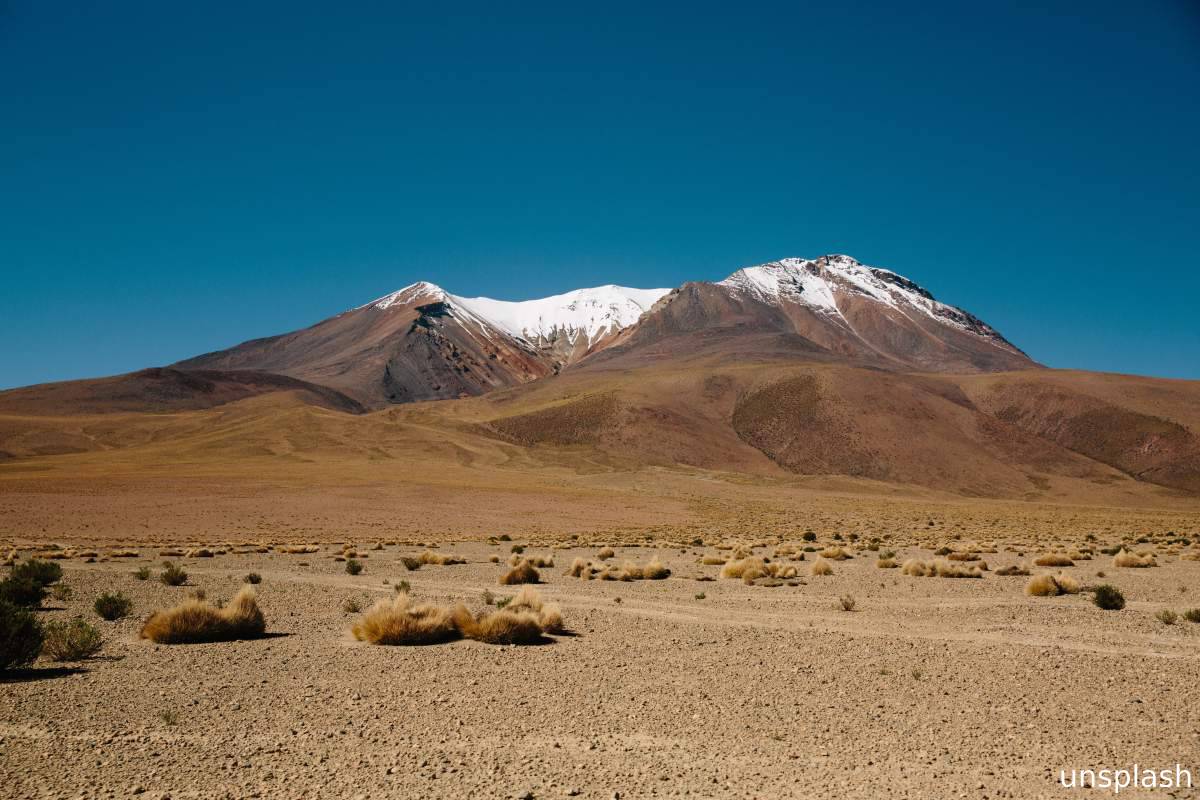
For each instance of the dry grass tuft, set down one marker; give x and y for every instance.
(753, 568)
(835, 553)
(523, 572)
(1047, 585)
(1128, 559)
(1053, 560)
(606, 553)
(713, 561)
(439, 559)
(940, 568)
(537, 561)
(200, 621)
(821, 567)
(297, 549)
(1012, 570)
(886, 563)
(399, 622)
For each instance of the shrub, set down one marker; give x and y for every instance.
(606, 553)
(352, 605)
(939, 568)
(61, 591)
(886, 563)
(521, 573)
(141, 573)
(172, 575)
(1012, 570)
(113, 606)
(847, 602)
(71, 641)
(835, 554)
(22, 591)
(353, 567)
(1192, 615)
(1053, 560)
(200, 621)
(20, 636)
(1167, 617)
(253, 578)
(403, 587)
(809, 536)
(1108, 597)
(411, 564)
(42, 573)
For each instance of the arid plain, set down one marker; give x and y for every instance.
(689, 685)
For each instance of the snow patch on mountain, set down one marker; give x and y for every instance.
(817, 282)
(591, 313)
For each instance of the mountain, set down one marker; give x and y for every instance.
(423, 343)
(828, 309)
(799, 367)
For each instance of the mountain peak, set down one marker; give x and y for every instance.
(414, 291)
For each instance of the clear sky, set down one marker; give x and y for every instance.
(176, 178)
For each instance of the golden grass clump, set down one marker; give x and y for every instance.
(940, 568)
(439, 559)
(654, 570)
(1047, 585)
(297, 549)
(196, 620)
(537, 561)
(1128, 559)
(886, 563)
(523, 572)
(199, 552)
(398, 621)
(752, 568)
(713, 561)
(821, 567)
(1012, 570)
(963, 557)
(580, 568)
(606, 553)
(835, 553)
(1053, 560)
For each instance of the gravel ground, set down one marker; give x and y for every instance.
(931, 688)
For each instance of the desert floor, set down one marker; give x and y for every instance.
(930, 688)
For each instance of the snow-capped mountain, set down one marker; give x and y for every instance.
(424, 343)
(566, 326)
(821, 283)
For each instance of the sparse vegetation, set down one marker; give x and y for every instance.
(1047, 585)
(523, 572)
(113, 606)
(61, 592)
(847, 602)
(523, 619)
(200, 621)
(141, 573)
(939, 568)
(20, 636)
(1053, 560)
(353, 566)
(72, 640)
(1192, 615)
(1167, 617)
(821, 567)
(1133, 560)
(172, 575)
(1108, 597)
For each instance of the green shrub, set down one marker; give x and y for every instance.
(141, 573)
(71, 641)
(112, 606)
(353, 567)
(1192, 615)
(1108, 597)
(172, 575)
(40, 572)
(20, 636)
(61, 591)
(22, 591)
(254, 578)
(809, 536)
(410, 563)
(1167, 617)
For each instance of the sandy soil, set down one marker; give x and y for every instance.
(931, 688)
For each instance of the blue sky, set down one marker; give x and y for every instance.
(178, 178)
